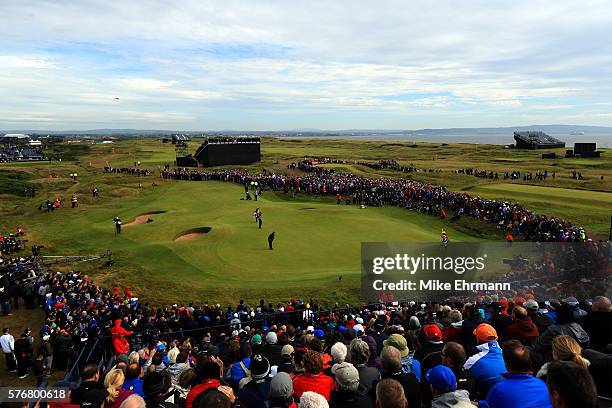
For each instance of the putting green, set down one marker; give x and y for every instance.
(316, 241)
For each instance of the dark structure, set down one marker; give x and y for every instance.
(219, 151)
(586, 150)
(536, 140)
(186, 161)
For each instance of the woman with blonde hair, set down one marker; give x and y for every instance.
(134, 357)
(565, 348)
(113, 382)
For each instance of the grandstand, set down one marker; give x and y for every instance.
(536, 140)
(218, 151)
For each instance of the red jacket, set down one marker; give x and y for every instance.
(452, 333)
(524, 330)
(320, 383)
(120, 343)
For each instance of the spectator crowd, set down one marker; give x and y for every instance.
(491, 350)
(417, 196)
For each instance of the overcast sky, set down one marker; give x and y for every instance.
(264, 65)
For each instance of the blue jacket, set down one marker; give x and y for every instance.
(486, 366)
(237, 371)
(410, 365)
(518, 391)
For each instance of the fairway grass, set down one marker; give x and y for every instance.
(316, 242)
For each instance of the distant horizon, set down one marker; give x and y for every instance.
(267, 65)
(568, 127)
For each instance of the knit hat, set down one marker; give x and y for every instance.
(399, 342)
(281, 386)
(271, 338)
(260, 366)
(319, 333)
(485, 332)
(153, 384)
(287, 350)
(432, 332)
(345, 373)
(442, 379)
(256, 339)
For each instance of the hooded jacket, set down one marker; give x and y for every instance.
(524, 330)
(487, 366)
(544, 343)
(453, 399)
(120, 343)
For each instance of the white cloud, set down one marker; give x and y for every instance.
(207, 63)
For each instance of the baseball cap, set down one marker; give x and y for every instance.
(319, 333)
(287, 350)
(531, 304)
(433, 332)
(345, 374)
(442, 379)
(572, 301)
(256, 339)
(281, 386)
(485, 332)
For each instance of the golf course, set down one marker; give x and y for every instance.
(198, 241)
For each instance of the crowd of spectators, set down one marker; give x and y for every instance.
(10, 153)
(137, 171)
(230, 139)
(493, 351)
(13, 242)
(310, 165)
(418, 196)
(508, 175)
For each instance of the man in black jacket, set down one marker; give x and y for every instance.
(598, 323)
(90, 393)
(392, 368)
(23, 353)
(270, 240)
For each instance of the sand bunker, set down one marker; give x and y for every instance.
(192, 233)
(143, 218)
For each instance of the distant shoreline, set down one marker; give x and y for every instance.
(602, 140)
